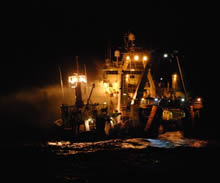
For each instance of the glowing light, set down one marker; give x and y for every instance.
(115, 86)
(105, 103)
(59, 143)
(105, 85)
(82, 79)
(111, 123)
(128, 57)
(198, 103)
(73, 80)
(87, 122)
(174, 77)
(156, 99)
(165, 55)
(182, 99)
(52, 143)
(136, 57)
(127, 76)
(143, 100)
(145, 58)
(124, 94)
(167, 115)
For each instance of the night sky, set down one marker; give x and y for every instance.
(47, 35)
(52, 34)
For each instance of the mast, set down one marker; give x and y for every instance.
(61, 83)
(79, 102)
(77, 65)
(181, 76)
(85, 72)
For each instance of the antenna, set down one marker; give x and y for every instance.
(126, 41)
(77, 65)
(181, 75)
(85, 70)
(86, 77)
(61, 82)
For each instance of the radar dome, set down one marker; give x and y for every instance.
(117, 53)
(131, 37)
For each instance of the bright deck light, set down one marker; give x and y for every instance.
(128, 58)
(165, 55)
(73, 80)
(145, 58)
(105, 85)
(136, 57)
(174, 77)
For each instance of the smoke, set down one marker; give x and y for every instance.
(34, 107)
(37, 107)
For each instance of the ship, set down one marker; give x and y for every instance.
(127, 100)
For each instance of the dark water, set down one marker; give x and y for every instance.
(170, 157)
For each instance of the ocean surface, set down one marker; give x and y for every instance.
(170, 157)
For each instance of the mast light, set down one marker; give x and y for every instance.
(73, 80)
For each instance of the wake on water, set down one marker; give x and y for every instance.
(166, 140)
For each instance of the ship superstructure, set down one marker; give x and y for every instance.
(127, 95)
(127, 79)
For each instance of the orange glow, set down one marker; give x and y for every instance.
(82, 79)
(199, 99)
(145, 58)
(128, 58)
(73, 80)
(136, 57)
(105, 85)
(174, 77)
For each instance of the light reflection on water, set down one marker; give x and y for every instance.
(167, 140)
